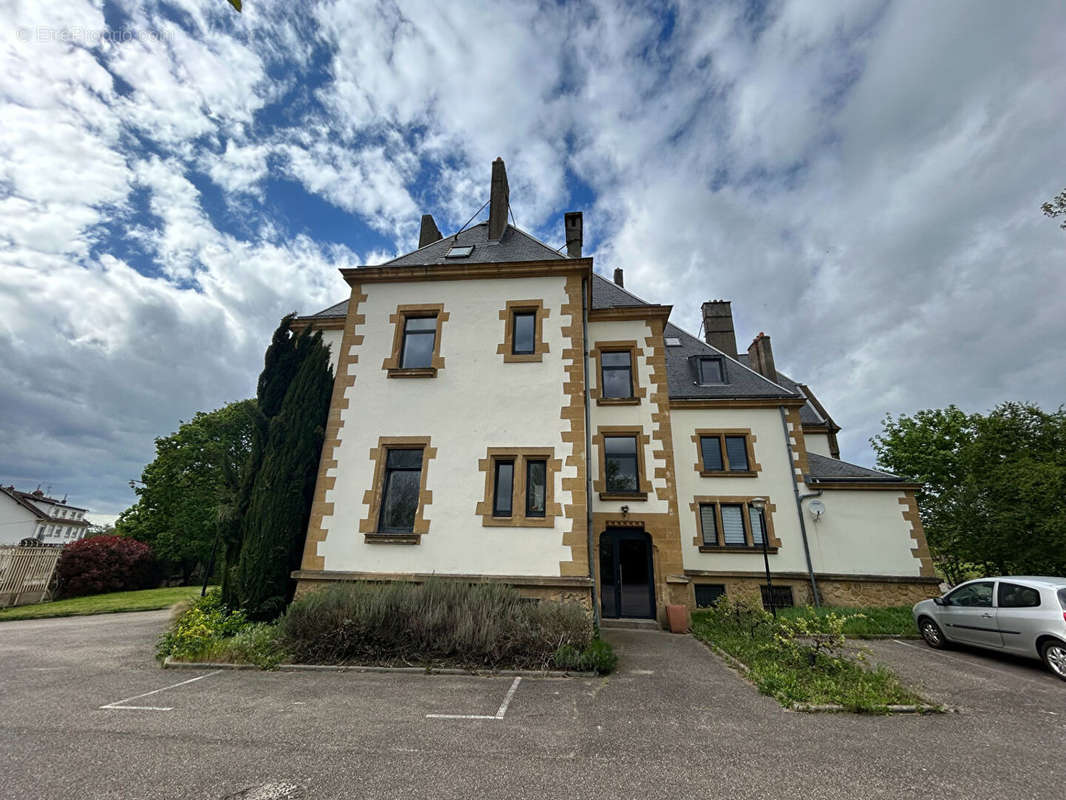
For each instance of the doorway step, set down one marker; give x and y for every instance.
(636, 624)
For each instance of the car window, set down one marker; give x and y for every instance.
(972, 595)
(1011, 595)
(1062, 598)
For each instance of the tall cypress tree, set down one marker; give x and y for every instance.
(294, 396)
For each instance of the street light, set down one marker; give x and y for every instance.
(759, 504)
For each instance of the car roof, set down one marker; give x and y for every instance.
(1038, 580)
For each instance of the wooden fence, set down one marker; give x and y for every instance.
(26, 574)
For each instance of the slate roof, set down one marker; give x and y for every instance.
(827, 470)
(608, 294)
(514, 245)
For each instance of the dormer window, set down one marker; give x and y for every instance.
(709, 370)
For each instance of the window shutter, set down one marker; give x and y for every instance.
(709, 525)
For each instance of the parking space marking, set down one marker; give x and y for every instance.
(120, 705)
(967, 661)
(500, 712)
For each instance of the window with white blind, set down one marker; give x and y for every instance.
(733, 523)
(733, 526)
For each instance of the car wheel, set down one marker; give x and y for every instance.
(1054, 655)
(934, 637)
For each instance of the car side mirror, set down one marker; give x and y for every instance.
(940, 601)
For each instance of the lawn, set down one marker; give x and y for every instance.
(793, 674)
(145, 600)
(894, 621)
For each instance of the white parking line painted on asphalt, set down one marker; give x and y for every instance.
(1012, 675)
(120, 705)
(500, 712)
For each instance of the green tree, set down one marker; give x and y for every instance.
(277, 491)
(993, 494)
(191, 478)
(1055, 207)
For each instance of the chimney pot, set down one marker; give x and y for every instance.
(761, 357)
(429, 232)
(618, 277)
(573, 228)
(499, 201)
(718, 326)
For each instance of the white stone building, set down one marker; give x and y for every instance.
(34, 515)
(501, 412)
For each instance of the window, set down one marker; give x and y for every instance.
(709, 371)
(536, 487)
(503, 489)
(709, 523)
(733, 523)
(620, 464)
(419, 336)
(972, 595)
(403, 478)
(462, 251)
(524, 334)
(733, 533)
(726, 452)
(1011, 595)
(708, 594)
(616, 371)
(782, 596)
(519, 491)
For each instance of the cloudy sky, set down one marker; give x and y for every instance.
(864, 182)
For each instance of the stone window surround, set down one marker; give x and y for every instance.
(643, 440)
(518, 518)
(623, 346)
(540, 347)
(372, 497)
(399, 319)
(772, 542)
(754, 468)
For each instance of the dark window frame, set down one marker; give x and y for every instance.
(717, 590)
(609, 457)
(496, 496)
(531, 314)
(717, 542)
(783, 597)
(727, 466)
(386, 481)
(604, 368)
(717, 360)
(407, 320)
(543, 463)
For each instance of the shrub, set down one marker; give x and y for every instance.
(255, 643)
(204, 624)
(475, 625)
(598, 656)
(104, 564)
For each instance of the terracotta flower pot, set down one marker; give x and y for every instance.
(677, 617)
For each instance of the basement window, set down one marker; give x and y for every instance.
(460, 252)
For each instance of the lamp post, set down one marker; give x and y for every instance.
(759, 504)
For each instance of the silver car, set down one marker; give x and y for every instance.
(1021, 615)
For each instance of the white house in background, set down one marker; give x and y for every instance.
(503, 413)
(34, 515)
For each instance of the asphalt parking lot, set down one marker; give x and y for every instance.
(81, 716)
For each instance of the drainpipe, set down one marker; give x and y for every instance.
(799, 509)
(588, 453)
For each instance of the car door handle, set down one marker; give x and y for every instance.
(987, 615)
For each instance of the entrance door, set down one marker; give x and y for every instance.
(627, 585)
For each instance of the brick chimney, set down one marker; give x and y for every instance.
(573, 228)
(499, 201)
(618, 279)
(718, 326)
(429, 232)
(761, 357)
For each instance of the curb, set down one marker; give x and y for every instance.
(169, 663)
(861, 636)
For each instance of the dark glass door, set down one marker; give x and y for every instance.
(627, 587)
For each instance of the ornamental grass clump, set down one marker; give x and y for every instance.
(431, 624)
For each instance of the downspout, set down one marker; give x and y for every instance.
(799, 509)
(588, 453)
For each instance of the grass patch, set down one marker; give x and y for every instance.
(800, 659)
(859, 622)
(144, 600)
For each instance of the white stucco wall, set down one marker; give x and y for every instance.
(332, 340)
(475, 402)
(818, 443)
(635, 415)
(862, 532)
(16, 523)
(773, 482)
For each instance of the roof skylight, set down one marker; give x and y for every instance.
(460, 252)
(673, 341)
